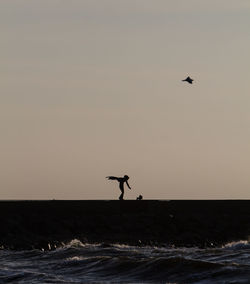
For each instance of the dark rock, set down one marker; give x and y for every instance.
(46, 224)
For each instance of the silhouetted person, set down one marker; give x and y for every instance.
(121, 181)
(189, 80)
(140, 197)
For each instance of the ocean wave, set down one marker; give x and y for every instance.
(78, 262)
(239, 245)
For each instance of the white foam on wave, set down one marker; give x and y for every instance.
(243, 244)
(76, 258)
(75, 243)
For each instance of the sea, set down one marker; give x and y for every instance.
(77, 262)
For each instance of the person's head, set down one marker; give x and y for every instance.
(126, 177)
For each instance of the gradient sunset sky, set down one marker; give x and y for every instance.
(93, 88)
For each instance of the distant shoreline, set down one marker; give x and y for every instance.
(28, 224)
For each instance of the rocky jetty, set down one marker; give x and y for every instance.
(47, 224)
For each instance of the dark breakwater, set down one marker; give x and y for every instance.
(46, 224)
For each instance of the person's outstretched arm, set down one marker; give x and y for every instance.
(128, 184)
(111, 177)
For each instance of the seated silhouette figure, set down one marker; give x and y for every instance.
(121, 181)
(140, 197)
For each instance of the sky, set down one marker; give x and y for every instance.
(94, 88)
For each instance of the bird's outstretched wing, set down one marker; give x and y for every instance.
(189, 80)
(111, 177)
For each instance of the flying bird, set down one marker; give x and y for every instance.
(189, 80)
